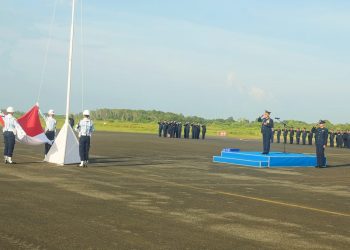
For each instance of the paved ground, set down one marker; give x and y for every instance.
(144, 192)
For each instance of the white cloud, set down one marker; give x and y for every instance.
(257, 93)
(252, 91)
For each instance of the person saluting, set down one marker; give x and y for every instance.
(266, 130)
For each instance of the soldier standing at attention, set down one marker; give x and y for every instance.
(321, 137)
(297, 135)
(160, 128)
(331, 139)
(311, 134)
(85, 128)
(266, 130)
(339, 139)
(279, 135)
(9, 130)
(50, 128)
(204, 131)
(285, 134)
(179, 129)
(291, 135)
(165, 129)
(303, 135)
(345, 139)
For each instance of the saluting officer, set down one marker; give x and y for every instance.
(266, 130)
(9, 130)
(321, 137)
(50, 128)
(85, 128)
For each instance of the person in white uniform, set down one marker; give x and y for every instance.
(9, 132)
(50, 128)
(85, 127)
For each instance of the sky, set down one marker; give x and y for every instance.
(213, 59)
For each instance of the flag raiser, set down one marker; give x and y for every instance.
(29, 129)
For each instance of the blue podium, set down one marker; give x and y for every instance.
(271, 160)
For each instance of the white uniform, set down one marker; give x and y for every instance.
(85, 128)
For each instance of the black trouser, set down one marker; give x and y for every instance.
(278, 139)
(298, 140)
(266, 141)
(321, 159)
(9, 141)
(291, 140)
(304, 140)
(51, 136)
(84, 147)
(203, 135)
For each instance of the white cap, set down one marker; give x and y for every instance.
(51, 112)
(86, 112)
(10, 110)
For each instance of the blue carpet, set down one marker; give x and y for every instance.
(273, 159)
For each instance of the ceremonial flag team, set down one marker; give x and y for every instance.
(13, 131)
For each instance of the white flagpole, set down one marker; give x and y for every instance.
(65, 149)
(70, 62)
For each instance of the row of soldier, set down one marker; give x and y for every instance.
(173, 129)
(340, 139)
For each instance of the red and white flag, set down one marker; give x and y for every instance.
(29, 130)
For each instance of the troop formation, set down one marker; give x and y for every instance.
(340, 139)
(173, 129)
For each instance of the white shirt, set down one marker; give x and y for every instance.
(85, 127)
(50, 123)
(10, 123)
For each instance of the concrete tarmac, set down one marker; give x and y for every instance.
(145, 192)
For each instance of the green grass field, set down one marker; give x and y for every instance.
(244, 130)
(238, 130)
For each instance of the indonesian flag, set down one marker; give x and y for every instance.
(29, 129)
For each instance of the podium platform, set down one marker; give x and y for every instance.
(271, 160)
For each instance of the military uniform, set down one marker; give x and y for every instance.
(303, 136)
(297, 135)
(266, 130)
(160, 128)
(285, 134)
(204, 131)
(279, 135)
(85, 128)
(291, 136)
(339, 139)
(321, 137)
(331, 139)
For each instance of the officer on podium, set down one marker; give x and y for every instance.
(266, 130)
